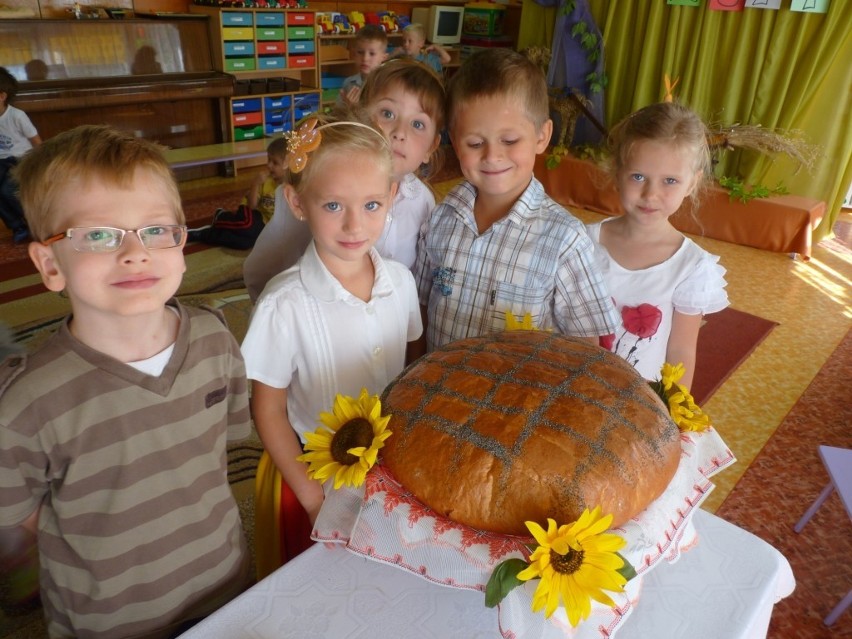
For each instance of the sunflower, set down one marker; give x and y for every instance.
(347, 444)
(576, 563)
(682, 407)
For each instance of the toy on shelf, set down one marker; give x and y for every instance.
(326, 22)
(341, 24)
(371, 17)
(402, 22)
(356, 19)
(388, 20)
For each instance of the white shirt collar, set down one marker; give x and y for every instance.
(320, 283)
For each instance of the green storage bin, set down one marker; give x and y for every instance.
(248, 132)
(239, 64)
(300, 33)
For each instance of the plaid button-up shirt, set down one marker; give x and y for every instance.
(538, 259)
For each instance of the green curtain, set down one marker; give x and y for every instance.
(780, 69)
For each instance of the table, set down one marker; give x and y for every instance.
(724, 587)
(213, 153)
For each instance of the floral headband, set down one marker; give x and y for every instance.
(307, 139)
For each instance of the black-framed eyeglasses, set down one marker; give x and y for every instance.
(105, 239)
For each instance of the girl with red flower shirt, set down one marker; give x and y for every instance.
(661, 281)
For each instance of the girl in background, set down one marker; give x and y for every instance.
(406, 100)
(661, 281)
(299, 348)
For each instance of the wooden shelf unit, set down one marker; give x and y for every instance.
(272, 55)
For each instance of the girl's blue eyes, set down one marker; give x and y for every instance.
(335, 207)
(638, 177)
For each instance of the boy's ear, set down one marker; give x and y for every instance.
(544, 135)
(45, 261)
(393, 189)
(293, 202)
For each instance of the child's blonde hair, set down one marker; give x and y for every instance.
(667, 122)
(415, 78)
(345, 135)
(417, 29)
(88, 152)
(500, 73)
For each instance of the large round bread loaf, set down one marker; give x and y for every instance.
(520, 426)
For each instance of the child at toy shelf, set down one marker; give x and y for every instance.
(369, 50)
(113, 433)
(406, 100)
(498, 246)
(414, 46)
(299, 347)
(662, 282)
(240, 229)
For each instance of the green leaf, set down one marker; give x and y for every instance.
(627, 571)
(578, 29)
(552, 161)
(503, 580)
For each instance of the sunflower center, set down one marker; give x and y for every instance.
(567, 564)
(353, 434)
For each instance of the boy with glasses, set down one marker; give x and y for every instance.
(113, 434)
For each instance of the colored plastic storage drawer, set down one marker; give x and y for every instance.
(248, 133)
(244, 106)
(274, 117)
(278, 102)
(298, 18)
(300, 46)
(235, 49)
(232, 19)
(238, 33)
(271, 62)
(332, 81)
(300, 33)
(277, 129)
(266, 48)
(301, 61)
(269, 19)
(270, 33)
(243, 119)
(239, 64)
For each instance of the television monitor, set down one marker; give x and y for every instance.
(443, 24)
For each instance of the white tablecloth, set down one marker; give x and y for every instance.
(725, 586)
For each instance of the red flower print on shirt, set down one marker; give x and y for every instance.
(642, 320)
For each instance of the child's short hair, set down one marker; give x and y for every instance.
(277, 148)
(349, 133)
(8, 85)
(500, 72)
(414, 77)
(417, 29)
(372, 33)
(88, 152)
(668, 122)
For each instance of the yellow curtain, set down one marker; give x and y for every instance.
(536, 29)
(780, 69)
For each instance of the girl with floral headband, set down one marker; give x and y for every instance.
(405, 99)
(337, 321)
(662, 282)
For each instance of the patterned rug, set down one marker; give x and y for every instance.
(789, 470)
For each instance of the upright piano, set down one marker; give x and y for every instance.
(154, 77)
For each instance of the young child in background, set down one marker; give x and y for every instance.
(406, 100)
(113, 434)
(662, 282)
(336, 322)
(240, 229)
(498, 244)
(17, 136)
(369, 50)
(414, 46)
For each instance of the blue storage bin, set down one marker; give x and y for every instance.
(332, 81)
(273, 130)
(236, 19)
(268, 19)
(307, 102)
(276, 102)
(271, 62)
(275, 117)
(300, 46)
(245, 106)
(238, 49)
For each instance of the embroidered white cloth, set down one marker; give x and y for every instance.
(383, 521)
